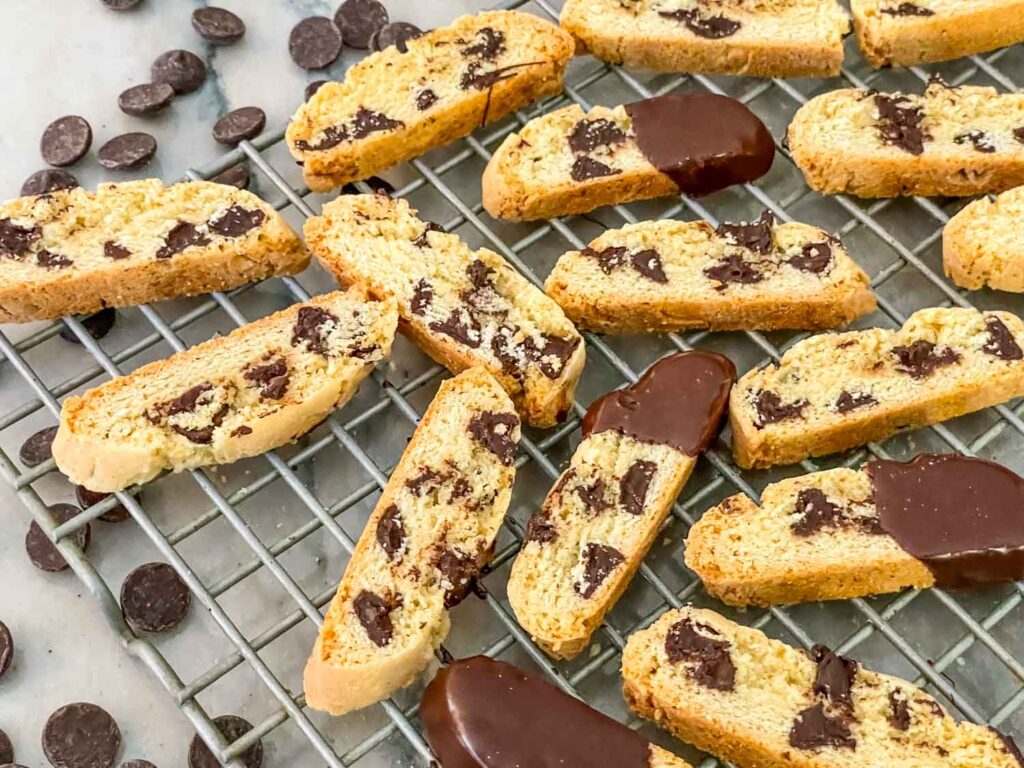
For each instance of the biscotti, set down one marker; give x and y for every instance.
(569, 161)
(983, 245)
(463, 307)
(239, 395)
(754, 701)
(668, 275)
(959, 141)
(837, 391)
(431, 532)
(946, 519)
(72, 251)
(486, 713)
(640, 445)
(397, 104)
(900, 34)
(788, 38)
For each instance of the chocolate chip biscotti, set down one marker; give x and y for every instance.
(783, 38)
(755, 701)
(72, 251)
(395, 105)
(959, 141)
(239, 395)
(837, 391)
(669, 275)
(463, 307)
(640, 445)
(570, 161)
(901, 33)
(983, 245)
(946, 520)
(431, 532)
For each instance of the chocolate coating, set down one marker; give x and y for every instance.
(702, 141)
(679, 402)
(479, 712)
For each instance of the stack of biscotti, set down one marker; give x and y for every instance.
(754, 701)
(901, 33)
(967, 140)
(431, 532)
(463, 307)
(983, 245)
(781, 38)
(72, 251)
(259, 387)
(948, 520)
(837, 391)
(669, 275)
(397, 104)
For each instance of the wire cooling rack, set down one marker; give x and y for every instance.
(263, 543)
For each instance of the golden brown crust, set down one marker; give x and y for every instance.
(983, 244)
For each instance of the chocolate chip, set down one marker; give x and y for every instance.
(81, 735)
(496, 432)
(593, 496)
(814, 728)
(98, 325)
(232, 728)
(599, 560)
(50, 260)
(921, 359)
(6, 659)
(332, 137)
(732, 268)
(710, 27)
(313, 87)
(908, 9)
(834, 677)
(427, 480)
(6, 748)
(242, 124)
(423, 241)
(550, 354)
(236, 221)
(980, 140)
(458, 572)
(391, 532)
(422, 296)
(41, 551)
(374, 613)
(128, 151)
(272, 378)
(66, 140)
(648, 263)
(757, 236)
(154, 598)
(218, 25)
(398, 33)
(115, 251)
(120, 5)
(770, 408)
(137, 764)
(38, 447)
(425, 99)
(540, 529)
(461, 326)
(309, 329)
(236, 176)
(1018, 134)
(48, 180)
(634, 485)
(608, 259)
(367, 121)
(851, 401)
(182, 70)
(183, 235)
(490, 43)
(813, 257)
(585, 168)
(87, 498)
(816, 513)
(1001, 342)
(188, 402)
(16, 240)
(899, 710)
(899, 123)
(241, 431)
(482, 297)
(146, 99)
(315, 42)
(359, 21)
(706, 650)
(588, 135)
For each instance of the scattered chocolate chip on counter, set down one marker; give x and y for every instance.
(218, 25)
(146, 99)
(128, 151)
(42, 552)
(6, 748)
(315, 42)
(398, 33)
(182, 70)
(154, 598)
(98, 325)
(359, 21)
(6, 659)
(81, 735)
(243, 124)
(48, 180)
(66, 140)
(120, 5)
(236, 176)
(38, 447)
(313, 87)
(231, 728)
(87, 498)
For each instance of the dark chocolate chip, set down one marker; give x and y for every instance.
(271, 377)
(374, 613)
(922, 358)
(137, 764)
(427, 480)
(648, 263)
(1001, 342)
(242, 124)
(6, 748)
(367, 121)
(66, 140)
(81, 735)
(980, 140)
(899, 123)
(308, 328)
(422, 296)
(41, 551)
(496, 432)
(588, 135)
(757, 236)
(236, 176)
(461, 326)
(182, 70)
(218, 25)
(425, 99)
(899, 710)
(634, 485)
(398, 33)
(489, 45)
(423, 241)
(732, 268)
(608, 259)
(908, 9)
(236, 221)
(332, 137)
(391, 532)
(146, 99)
(16, 240)
(6, 659)
(48, 180)
(816, 513)
(187, 402)
(154, 598)
(813, 257)
(241, 431)
(703, 647)
(551, 354)
(540, 529)
(50, 260)
(98, 325)
(851, 401)
(120, 5)
(593, 496)
(815, 728)
(710, 27)
(1018, 134)
(313, 87)
(315, 42)
(585, 167)
(87, 498)
(770, 408)
(482, 297)
(459, 572)
(359, 21)
(834, 677)
(183, 235)
(128, 151)
(232, 728)
(38, 447)
(599, 560)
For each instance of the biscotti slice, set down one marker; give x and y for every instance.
(395, 105)
(900, 33)
(983, 245)
(947, 519)
(431, 532)
(72, 251)
(463, 307)
(486, 713)
(754, 701)
(239, 395)
(669, 275)
(584, 544)
(837, 391)
(967, 140)
(569, 161)
(780, 38)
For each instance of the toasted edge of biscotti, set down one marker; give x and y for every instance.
(983, 244)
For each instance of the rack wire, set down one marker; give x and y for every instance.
(963, 647)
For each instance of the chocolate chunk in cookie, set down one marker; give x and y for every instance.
(599, 560)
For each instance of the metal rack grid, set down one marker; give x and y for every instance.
(961, 646)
